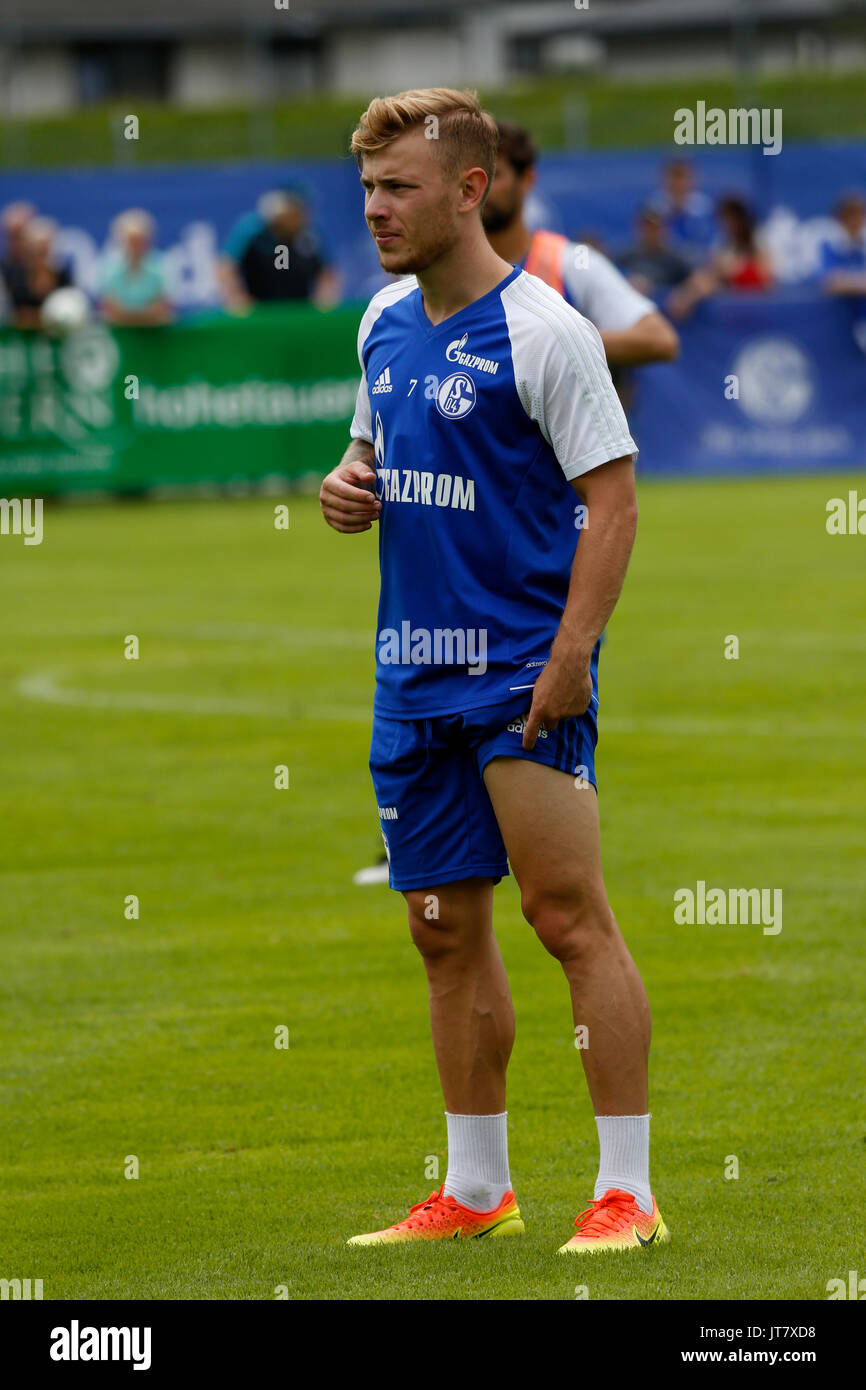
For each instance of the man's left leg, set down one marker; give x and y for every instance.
(549, 822)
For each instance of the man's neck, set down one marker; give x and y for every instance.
(465, 274)
(512, 243)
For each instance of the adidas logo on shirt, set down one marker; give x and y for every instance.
(382, 384)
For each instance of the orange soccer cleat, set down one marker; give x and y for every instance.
(616, 1222)
(442, 1218)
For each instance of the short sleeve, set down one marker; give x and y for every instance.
(241, 234)
(601, 292)
(362, 425)
(563, 380)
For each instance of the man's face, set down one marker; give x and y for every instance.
(37, 247)
(411, 204)
(15, 225)
(505, 199)
(852, 216)
(650, 231)
(679, 181)
(287, 223)
(137, 243)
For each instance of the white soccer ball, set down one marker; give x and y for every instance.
(65, 310)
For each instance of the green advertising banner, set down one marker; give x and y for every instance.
(216, 399)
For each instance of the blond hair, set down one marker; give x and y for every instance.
(133, 220)
(465, 134)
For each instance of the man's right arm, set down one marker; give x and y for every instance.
(232, 288)
(348, 494)
(631, 327)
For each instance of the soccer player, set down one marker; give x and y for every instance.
(483, 397)
(631, 327)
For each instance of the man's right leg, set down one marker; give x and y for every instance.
(472, 1021)
(441, 831)
(471, 1013)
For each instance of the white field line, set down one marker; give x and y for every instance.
(44, 687)
(281, 635)
(274, 634)
(47, 687)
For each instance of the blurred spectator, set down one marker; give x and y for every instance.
(13, 220)
(741, 261)
(651, 264)
(13, 223)
(843, 256)
(686, 212)
(272, 254)
(738, 263)
(36, 275)
(132, 287)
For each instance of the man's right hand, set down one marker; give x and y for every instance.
(348, 494)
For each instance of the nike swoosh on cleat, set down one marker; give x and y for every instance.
(652, 1237)
(509, 1216)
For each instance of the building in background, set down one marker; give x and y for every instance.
(55, 58)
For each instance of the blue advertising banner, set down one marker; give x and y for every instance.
(761, 385)
(766, 382)
(583, 193)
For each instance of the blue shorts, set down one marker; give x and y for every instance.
(437, 819)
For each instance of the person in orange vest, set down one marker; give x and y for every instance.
(632, 329)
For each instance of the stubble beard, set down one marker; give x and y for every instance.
(437, 240)
(498, 219)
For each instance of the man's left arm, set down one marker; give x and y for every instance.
(632, 329)
(564, 687)
(651, 339)
(327, 288)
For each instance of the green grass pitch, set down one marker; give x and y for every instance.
(154, 1038)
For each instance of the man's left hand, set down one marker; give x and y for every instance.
(563, 689)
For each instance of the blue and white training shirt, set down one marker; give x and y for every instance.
(478, 424)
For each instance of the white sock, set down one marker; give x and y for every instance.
(477, 1174)
(624, 1162)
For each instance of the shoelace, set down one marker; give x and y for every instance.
(604, 1211)
(422, 1206)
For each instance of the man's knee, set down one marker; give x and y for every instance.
(432, 930)
(569, 924)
